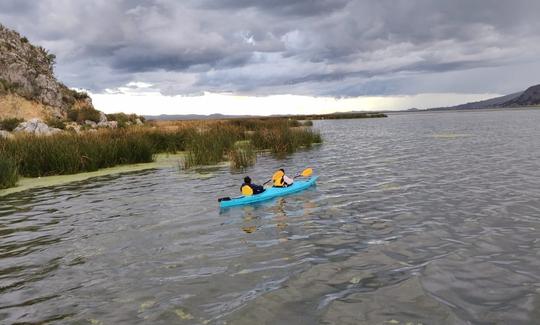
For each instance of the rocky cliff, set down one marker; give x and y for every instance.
(28, 87)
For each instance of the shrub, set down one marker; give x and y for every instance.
(79, 95)
(9, 124)
(52, 59)
(56, 123)
(80, 115)
(3, 87)
(294, 123)
(124, 119)
(8, 172)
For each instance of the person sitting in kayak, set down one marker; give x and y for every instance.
(280, 179)
(249, 188)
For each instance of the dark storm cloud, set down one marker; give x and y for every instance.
(281, 7)
(315, 47)
(15, 6)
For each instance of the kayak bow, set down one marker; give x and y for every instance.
(269, 193)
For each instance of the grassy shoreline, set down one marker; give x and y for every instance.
(28, 183)
(204, 143)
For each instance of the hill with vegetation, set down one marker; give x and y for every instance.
(28, 86)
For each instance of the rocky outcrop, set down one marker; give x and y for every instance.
(27, 71)
(37, 127)
(108, 124)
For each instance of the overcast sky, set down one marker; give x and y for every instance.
(230, 56)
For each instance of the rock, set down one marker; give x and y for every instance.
(5, 135)
(109, 124)
(92, 124)
(102, 118)
(138, 121)
(37, 127)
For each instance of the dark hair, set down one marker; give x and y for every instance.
(247, 180)
(283, 170)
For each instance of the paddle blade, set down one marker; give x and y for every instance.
(307, 172)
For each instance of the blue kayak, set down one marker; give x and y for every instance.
(269, 193)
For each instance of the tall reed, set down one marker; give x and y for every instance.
(284, 140)
(68, 154)
(208, 147)
(8, 172)
(242, 155)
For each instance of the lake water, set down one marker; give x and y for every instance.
(416, 218)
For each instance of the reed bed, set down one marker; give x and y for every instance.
(65, 153)
(217, 142)
(169, 141)
(205, 143)
(209, 145)
(284, 140)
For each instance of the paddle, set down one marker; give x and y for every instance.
(305, 173)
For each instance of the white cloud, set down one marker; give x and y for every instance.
(154, 103)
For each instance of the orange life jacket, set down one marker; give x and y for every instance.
(277, 179)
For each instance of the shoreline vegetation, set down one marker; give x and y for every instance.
(341, 116)
(27, 183)
(204, 143)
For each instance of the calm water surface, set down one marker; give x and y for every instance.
(421, 218)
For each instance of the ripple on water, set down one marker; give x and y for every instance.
(425, 218)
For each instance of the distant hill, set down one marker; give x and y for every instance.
(488, 103)
(336, 115)
(529, 97)
(164, 117)
(28, 87)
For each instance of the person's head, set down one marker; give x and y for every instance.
(283, 170)
(247, 180)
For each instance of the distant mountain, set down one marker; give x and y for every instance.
(164, 117)
(529, 97)
(336, 115)
(488, 103)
